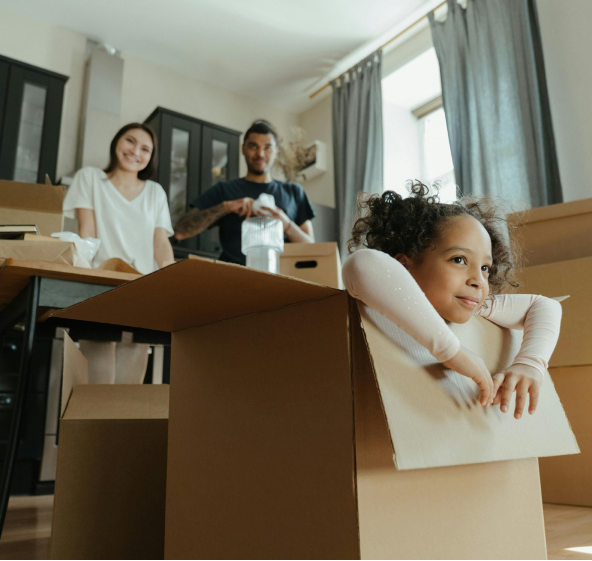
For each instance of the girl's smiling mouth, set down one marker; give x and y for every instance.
(468, 301)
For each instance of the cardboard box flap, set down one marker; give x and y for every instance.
(295, 250)
(75, 371)
(30, 196)
(433, 414)
(118, 401)
(192, 293)
(550, 212)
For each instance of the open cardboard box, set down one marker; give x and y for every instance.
(31, 203)
(300, 428)
(111, 474)
(555, 232)
(314, 262)
(568, 480)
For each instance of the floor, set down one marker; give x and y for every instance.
(28, 527)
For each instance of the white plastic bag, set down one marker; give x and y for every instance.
(265, 199)
(87, 248)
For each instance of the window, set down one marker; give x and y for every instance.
(416, 142)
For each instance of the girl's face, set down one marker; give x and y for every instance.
(454, 275)
(134, 150)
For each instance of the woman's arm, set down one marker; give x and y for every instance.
(87, 224)
(163, 250)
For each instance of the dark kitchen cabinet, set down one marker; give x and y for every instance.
(193, 156)
(30, 116)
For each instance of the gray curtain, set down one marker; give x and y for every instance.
(496, 101)
(357, 139)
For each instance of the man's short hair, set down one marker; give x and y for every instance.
(260, 126)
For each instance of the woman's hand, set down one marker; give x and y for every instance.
(523, 380)
(470, 365)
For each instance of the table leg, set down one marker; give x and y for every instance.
(30, 312)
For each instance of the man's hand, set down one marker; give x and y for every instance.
(242, 207)
(523, 380)
(470, 365)
(276, 212)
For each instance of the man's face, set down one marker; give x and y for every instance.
(259, 151)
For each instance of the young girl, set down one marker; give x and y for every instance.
(429, 263)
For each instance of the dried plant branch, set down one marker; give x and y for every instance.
(292, 159)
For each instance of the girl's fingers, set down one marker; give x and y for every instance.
(486, 386)
(498, 380)
(521, 394)
(534, 398)
(507, 390)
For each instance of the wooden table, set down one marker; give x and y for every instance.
(26, 287)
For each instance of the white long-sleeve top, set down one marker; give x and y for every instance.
(382, 283)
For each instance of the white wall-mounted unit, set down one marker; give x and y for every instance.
(318, 165)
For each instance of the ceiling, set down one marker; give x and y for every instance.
(277, 51)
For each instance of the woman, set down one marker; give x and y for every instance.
(129, 213)
(121, 205)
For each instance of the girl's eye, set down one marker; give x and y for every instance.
(459, 260)
(486, 269)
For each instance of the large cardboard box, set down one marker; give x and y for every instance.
(555, 232)
(568, 479)
(56, 251)
(300, 428)
(314, 262)
(111, 473)
(30, 203)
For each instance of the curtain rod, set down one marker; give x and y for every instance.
(379, 48)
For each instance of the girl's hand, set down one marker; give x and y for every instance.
(522, 379)
(470, 365)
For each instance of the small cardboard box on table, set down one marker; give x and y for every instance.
(568, 479)
(300, 428)
(555, 232)
(314, 262)
(31, 203)
(111, 474)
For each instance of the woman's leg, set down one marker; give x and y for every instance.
(101, 361)
(131, 360)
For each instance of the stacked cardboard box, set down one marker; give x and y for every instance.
(558, 250)
(300, 428)
(314, 262)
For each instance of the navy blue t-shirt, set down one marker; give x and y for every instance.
(290, 197)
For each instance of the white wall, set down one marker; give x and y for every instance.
(316, 121)
(52, 48)
(567, 45)
(145, 86)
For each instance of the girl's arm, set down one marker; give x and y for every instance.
(382, 283)
(539, 317)
(163, 250)
(87, 224)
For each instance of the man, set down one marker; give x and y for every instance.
(228, 203)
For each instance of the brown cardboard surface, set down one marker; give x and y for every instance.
(195, 292)
(555, 232)
(59, 252)
(568, 480)
(324, 257)
(111, 474)
(433, 413)
(571, 277)
(483, 511)
(29, 203)
(269, 469)
(75, 371)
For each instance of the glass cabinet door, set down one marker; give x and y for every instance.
(31, 127)
(178, 174)
(220, 157)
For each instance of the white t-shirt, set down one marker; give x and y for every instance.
(125, 228)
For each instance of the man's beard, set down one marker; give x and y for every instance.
(256, 171)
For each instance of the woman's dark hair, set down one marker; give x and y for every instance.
(149, 171)
(260, 126)
(412, 225)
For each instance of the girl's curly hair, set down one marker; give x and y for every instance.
(411, 226)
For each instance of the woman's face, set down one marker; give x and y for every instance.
(134, 150)
(454, 275)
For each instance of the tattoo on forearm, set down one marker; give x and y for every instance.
(196, 221)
